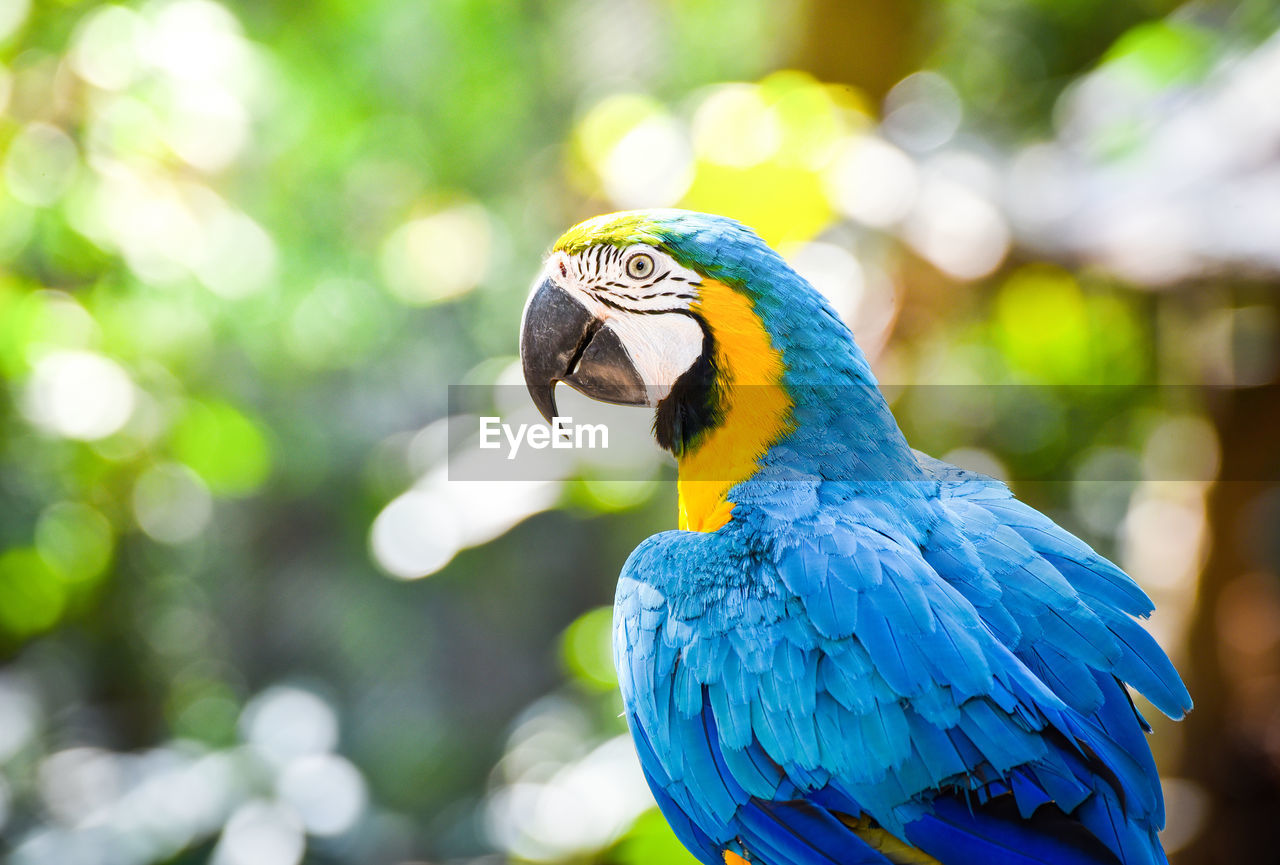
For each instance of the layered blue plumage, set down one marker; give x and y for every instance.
(881, 641)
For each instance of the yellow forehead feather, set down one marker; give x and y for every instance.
(614, 229)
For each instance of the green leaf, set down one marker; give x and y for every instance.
(32, 596)
(1164, 53)
(75, 540)
(224, 446)
(586, 649)
(650, 841)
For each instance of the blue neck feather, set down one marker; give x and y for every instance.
(843, 429)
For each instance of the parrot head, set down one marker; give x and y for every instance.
(613, 315)
(694, 315)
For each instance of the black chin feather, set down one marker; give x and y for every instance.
(694, 405)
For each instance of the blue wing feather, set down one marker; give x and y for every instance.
(973, 837)
(895, 675)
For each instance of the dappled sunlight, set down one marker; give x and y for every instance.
(260, 801)
(438, 256)
(79, 395)
(872, 181)
(171, 503)
(1164, 542)
(40, 165)
(559, 797)
(922, 112)
(585, 805)
(637, 151)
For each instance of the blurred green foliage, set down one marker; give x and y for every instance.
(246, 246)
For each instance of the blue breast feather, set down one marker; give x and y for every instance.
(947, 679)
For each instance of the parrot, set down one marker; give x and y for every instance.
(847, 652)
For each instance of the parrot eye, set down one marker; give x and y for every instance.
(640, 266)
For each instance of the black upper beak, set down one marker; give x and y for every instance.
(562, 341)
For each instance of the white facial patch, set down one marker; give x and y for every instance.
(661, 347)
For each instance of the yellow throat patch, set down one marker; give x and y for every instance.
(755, 404)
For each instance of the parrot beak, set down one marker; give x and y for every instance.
(561, 340)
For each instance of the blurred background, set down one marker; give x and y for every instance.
(246, 246)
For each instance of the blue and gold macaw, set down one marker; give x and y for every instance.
(849, 652)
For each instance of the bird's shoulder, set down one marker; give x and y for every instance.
(843, 660)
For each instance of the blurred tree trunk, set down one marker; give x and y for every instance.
(870, 44)
(1232, 744)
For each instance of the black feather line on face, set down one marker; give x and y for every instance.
(657, 279)
(613, 304)
(612, 298)
(695, 404)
